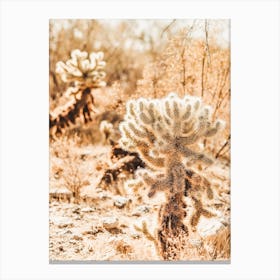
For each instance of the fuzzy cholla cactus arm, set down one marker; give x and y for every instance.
(161, 130)
(87, 72)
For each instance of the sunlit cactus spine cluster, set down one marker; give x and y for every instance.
(85, 70)
(156, 128)
(161, 130)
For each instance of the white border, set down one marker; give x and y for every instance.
(255, 138)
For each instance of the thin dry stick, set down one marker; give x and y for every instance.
(223, 98)
(202, 74)
(191, 28)
(206, 40)
(184, 66)
(217, 86)
(183, 57)
(220, 99)
(167, 27)
(184, 45)
(223, 147)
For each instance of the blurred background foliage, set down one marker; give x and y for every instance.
(150, 58)
(128, 45)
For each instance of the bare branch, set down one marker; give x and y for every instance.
(167, 27)
(223, 147)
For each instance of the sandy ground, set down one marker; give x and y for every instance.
(101, 225)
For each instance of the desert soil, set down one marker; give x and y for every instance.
(101, 225)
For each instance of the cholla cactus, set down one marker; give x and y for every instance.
(86, 71)
(161, 130)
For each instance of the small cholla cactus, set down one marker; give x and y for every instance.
(86, 71)
(161, 130)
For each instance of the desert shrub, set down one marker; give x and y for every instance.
(73, 171)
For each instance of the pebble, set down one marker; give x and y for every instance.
(110, 222)
(135, 235)
(87, 210)
(61, 222)
(60, 248)
(143, 209)
(102, 196)
(120, 201)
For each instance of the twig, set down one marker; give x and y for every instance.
(167, 27)
(222, 148)
(206, 40)
(220, 98)
(202, 74)
(184, 67)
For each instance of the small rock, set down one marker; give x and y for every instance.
(67, 232)
(103, 196)
(62, 222)
(143, 209)
(135, 235)
(61, 249)
(110, 222)
(120, 201)
(87, 210)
